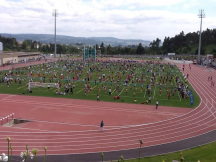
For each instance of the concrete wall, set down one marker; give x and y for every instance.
(28, 57)
(13, 59)
(16, 59)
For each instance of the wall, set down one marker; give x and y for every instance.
(6, 60)
(28, 57)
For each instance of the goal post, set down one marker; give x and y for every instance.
(89, 53)
(44, 85)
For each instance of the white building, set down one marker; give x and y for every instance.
(1, 47)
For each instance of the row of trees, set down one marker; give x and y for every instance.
(11, 44)
(8, 43)
(179, 44)
(188, 43)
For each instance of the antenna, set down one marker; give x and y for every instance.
(201, 15)
(55, 14)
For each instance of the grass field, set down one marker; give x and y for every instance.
(204, 153)
(77, 73)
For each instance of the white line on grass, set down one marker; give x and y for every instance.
(144, 94)
(121, 91)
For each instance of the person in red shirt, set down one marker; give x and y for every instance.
(160, 92)
(116, 88)
(169, 96)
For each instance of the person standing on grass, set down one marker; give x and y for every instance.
(149, 99)
(98, 98)
(169, 96)
(102, 125)
(134, 93)
(110, 91)
(157, 104)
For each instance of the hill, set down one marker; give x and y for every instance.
(62, 39)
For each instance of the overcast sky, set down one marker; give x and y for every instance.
(127, 19)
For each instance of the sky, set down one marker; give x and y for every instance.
(125, 19)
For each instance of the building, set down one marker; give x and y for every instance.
(18, 57)
(1, 47)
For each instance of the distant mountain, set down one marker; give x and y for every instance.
(62, 39)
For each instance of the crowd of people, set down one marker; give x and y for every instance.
(111, 76)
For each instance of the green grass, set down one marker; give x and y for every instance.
(206, 153)
(141, 95)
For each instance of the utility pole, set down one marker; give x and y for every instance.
(201, 15)
(55, 14)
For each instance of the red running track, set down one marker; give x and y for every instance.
(72, 126)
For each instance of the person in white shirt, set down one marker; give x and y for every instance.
(157, 104)
(110, 91)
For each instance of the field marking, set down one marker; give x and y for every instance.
(113, 91)
(144, 94)
(80, 90)
(21, 87)
(121, 91)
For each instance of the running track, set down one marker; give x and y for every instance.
(125, 125)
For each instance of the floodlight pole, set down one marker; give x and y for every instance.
(201, 15)
(55, 14)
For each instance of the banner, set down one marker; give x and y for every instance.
(191, 98)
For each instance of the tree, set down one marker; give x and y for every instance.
(132, 51)
(109, 49)
(44, 49)
(24, 45)
(157, 44)
(59, 49)
(140, 49)
(202, 51)
(102, 48)
(97, 47)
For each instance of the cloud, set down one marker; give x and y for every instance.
(120, 18)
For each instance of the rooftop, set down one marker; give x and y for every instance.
(18, 54)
